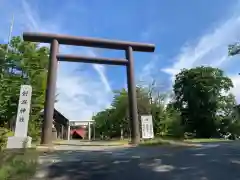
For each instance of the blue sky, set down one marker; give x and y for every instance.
(186, 34)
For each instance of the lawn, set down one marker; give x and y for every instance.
(148, 142)
(19, 164)
(206, 140)
(185, 142)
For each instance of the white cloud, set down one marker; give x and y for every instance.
(80, 93)
(101, 71)
(211, 49)
(148, 71)
(150, 75)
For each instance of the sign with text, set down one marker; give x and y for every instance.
(23, 111)
(147, 127)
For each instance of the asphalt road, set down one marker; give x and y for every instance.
(220, 161)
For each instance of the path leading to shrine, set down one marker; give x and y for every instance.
(85, 161)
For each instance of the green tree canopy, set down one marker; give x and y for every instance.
(198, 92)
(24, 63)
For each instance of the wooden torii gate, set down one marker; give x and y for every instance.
(55, 40)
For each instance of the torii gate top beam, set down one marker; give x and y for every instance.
(88, 42)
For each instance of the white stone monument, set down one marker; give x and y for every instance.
(20, 138)
(147, 127)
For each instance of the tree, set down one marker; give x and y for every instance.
(103, 123)
(25, 63)
(197, 95)
(233, 49)
(115, 121)
(117, 116)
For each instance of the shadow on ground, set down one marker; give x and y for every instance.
(218, 162)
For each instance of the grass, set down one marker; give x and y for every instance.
(185, 142)
(119, 141)
(210, 140)
(158, 141)
(155, 142)
(19, 164)
(110, 142)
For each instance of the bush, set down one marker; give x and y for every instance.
(4, 134)
(34, 132)
(175, 129)
(189, 135)
(173, 124)
(10, 133)
(3, 137)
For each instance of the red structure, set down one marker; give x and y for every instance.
(79, 132)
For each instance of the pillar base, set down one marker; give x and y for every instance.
(135, 141)
(15, 142)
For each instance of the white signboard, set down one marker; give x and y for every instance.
(147, 127)
(23, 111)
